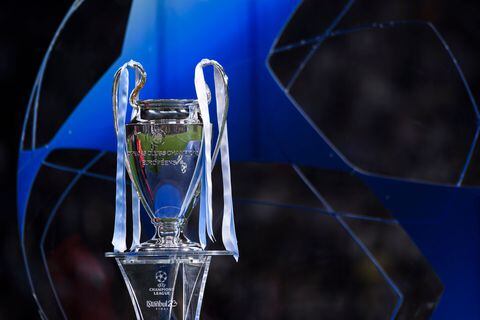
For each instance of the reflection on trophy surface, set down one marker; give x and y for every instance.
(163, 145)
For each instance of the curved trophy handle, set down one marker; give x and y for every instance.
(220, 69)
(119, 113)
(140, 80)
(205, 222)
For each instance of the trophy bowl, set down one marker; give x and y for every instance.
(163, 147)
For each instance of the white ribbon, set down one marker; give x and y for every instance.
(229, 237)
(120, 104)
(137, 225)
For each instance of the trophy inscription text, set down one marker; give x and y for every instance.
(159, 158)
(162, 165)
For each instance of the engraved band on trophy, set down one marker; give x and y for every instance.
(167, 151)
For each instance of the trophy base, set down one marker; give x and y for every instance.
(166, 284)
(181, 243)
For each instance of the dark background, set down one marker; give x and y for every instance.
(26, 31)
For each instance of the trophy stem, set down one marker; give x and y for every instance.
(168, 236)
(168, 232)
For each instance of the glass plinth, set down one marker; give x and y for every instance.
(167, 284)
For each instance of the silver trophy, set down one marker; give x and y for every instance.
(164, 149)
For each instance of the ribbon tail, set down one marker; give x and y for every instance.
(136, 222)
(119, 233)
(208, 191)
(137, 225)
(229, 236)
(202, 214)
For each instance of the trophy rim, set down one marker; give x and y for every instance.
(167, 103)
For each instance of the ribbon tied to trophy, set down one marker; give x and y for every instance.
(168, 153)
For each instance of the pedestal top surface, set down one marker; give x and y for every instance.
(168, 253)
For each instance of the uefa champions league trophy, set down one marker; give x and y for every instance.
(167, 151)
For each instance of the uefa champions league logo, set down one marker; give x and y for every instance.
(158, 135)
(162, 294)
(161, 277)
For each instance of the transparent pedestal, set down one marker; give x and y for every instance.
(167, 284)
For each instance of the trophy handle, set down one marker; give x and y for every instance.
(220, 69)
(140, 79)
